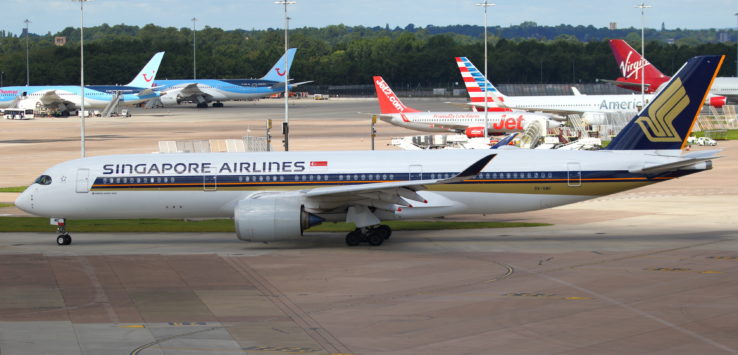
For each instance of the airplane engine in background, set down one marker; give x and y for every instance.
(170, 99)
(268, 219)
(474, 132)
(717, 101)
(595, 118)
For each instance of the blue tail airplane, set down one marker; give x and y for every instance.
(63, 98)
(204, 91)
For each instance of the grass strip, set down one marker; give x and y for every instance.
(40, 224)
(6, 205)
(13, 189)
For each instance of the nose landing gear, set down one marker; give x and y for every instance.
(63, 237)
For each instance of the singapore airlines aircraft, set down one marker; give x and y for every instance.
(273, 196)
(393, 111)
(69, 97)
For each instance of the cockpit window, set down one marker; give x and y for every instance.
(43, 180)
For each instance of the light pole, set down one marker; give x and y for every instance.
(736, 48)
(82, 72)
(28, 75)
(643, 8)
(485, 5)
(286, 123)
(194, 49)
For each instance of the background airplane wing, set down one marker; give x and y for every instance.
(50, 97)
(191, 90)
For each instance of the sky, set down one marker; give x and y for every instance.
(54, 15)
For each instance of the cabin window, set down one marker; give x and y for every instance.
(43, 180)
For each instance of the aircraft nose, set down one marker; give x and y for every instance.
(25, 201)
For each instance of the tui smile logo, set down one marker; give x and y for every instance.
(280, 74)
(658, 126)
(147, 79)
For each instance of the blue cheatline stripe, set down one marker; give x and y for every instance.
(317, 180)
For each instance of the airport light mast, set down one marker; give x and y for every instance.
(28, 75)
(286, 123)
(643, 8)
(736, 48)
(194, 49)
(82, 72)
(485, 5)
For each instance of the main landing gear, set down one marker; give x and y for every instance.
(217, 104)
(63, 237)
(374, 235)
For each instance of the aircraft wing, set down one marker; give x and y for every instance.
(50, 97)
(387, 194)
(146, 92)
(622, 83)
(281, 84)
(190, 90)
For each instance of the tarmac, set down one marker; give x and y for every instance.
(652, 270)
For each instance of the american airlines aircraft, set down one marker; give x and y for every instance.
(204, 91)
(393, 111)
(69, 97)
(630, 63)
(273, 196)
(584, 105)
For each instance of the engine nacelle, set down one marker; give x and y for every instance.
(717, 101)
(474, 132)
(595, 118)
(170, 99)
(272, 218)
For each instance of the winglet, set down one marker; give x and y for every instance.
(504, 141)
(145, 78)
(470, 172)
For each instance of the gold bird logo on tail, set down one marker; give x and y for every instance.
(658, 125)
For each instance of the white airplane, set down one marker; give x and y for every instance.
(69, 97)
(584, 105)
(274, 196)
(393, 111)
(204, 91)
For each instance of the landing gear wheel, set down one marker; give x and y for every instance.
(64, 239)
(386, 229)
(202, 105)
(376, 236)
(354, 237)
(218, 104)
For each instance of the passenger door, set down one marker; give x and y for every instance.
(574, 174)
(83, 181)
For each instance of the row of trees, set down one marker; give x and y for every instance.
(333, 55)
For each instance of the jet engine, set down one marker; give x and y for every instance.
(474, 132)
(169, 99)
(717, 101)
(268, 219)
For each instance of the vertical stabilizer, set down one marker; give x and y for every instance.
(666, 122)
(475, 82)
(279, 70)
(630, 62)
(388, 101)
(145, 78)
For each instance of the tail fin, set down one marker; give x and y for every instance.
(667, 121)
(630, 62)
(388, 101)
(145, 78)
(475, 81)
(278, 71)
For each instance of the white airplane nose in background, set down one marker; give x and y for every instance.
(24, 201)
